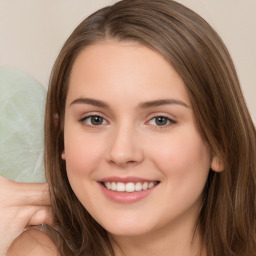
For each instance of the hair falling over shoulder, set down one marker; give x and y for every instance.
(227, 220)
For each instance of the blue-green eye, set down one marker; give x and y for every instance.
(93, 120)
(160, 121)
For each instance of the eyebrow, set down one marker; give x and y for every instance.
(143, 105)
(157, 103)
(93, 102)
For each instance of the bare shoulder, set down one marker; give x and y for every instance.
(33, 242)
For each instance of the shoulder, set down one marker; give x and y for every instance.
(33, 242)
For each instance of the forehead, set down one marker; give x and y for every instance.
(121, 67)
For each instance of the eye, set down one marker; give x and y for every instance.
(161, 121)
(93, 120)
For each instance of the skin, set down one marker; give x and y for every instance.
(127, 142)
(21, 205)
(33, 242)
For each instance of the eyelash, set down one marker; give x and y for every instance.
(164, 126)
(84, 119)
(167, 119)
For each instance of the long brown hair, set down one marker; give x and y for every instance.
(227, 220)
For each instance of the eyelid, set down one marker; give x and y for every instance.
(92, 114)
(171, 120)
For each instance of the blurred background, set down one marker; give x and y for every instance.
(33, 31)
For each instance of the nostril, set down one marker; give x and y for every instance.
(123, 163)
(131, 162)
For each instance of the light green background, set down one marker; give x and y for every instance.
(22, 102)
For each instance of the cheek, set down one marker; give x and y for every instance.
(82, 153)
(184, 162)
(184, 157)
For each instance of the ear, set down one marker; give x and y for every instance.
(217, 164)
(63, 155)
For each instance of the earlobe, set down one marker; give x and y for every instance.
(63, 155)
(217, 164)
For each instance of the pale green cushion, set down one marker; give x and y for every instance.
(22, 102)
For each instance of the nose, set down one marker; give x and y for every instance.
(125, 147)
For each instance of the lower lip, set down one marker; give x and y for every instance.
(126, 197)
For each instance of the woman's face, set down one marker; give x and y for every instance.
(134, 156)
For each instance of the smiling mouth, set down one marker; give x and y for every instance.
(129, 187)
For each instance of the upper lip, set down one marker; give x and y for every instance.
(126, 179)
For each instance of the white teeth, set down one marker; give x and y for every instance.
(108, 185)
(138, 186)
(113, 186)
(129, 187)
(120, 187)
(151, 185)
(145, 186)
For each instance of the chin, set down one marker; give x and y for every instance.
(127, 229)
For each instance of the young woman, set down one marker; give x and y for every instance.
(149, 146)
